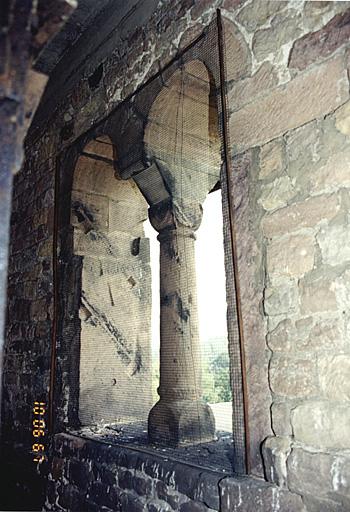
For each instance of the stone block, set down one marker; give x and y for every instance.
(192, 506)
(89, 208)
(208, 490)
(277, 194)
(186, 480)
(292, 377)
(342, 119)
(249, 494)
(257, 13)
(342, 291)
(159, 506)
(275, 452)
(238, 66)
(79, 473)
(231, 5)
(271, 158)
(290, 105)
(324, 335)
(334, 243)
(280, 339)
(168, 494)
(331, 176)
(317, 295)
(306, 214)
(302, 148)
(321, 475)
(280, 415)
(142, 484)
(318, 45)
(334, 376)
(322, 425)
(284, 28)
(280, 299)
(125, 479)
(57, 468)
(244, 91)
(69, 498)
(316, 504)
(98, 492)
(291, 256)
(132, 503)
(314, 11)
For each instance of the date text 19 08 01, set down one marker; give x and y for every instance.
(38, 448)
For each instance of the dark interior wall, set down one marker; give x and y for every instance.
(63, 116)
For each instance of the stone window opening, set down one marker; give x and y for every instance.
(163, 154)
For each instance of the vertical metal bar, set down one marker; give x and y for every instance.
(55, 297)
(229, 170)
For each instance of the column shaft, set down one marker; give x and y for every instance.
(180, 416)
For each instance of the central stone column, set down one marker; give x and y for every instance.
(180, 416)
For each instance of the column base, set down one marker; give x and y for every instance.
(181, 422)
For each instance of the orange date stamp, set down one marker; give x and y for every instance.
(38, 430)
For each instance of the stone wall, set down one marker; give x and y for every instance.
(90, 476)
(290, 130)
(288, 72)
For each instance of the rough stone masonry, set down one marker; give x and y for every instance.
(288, 95)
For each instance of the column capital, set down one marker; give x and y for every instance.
(168, 217)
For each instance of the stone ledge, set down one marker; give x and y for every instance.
(196, 488)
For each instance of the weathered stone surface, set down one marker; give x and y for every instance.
(302, 147)
(334, 373)
(275, 452)
(317, 295)
(322, 425)
(324, 335)
(314, 11)
(284, 27)
(208, 490)
(244, 91)
(292, 377)
(193, 507)
(190, 35)
(290, 105)
(277, 194)
(318, 45)
(248, 494)
(334, 243)
(342, 118)
(249, 252)
(332, 175)
(239, 64)
(231, 5)
(158, 506)
(280, 299)
(301, 215)
(280, 415)
(319, 474)
(290, 256)
(315, 504)
(257, 13)
(281, 338)
(271, 158)
(342, 291)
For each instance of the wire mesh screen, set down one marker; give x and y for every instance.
(149, 325)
